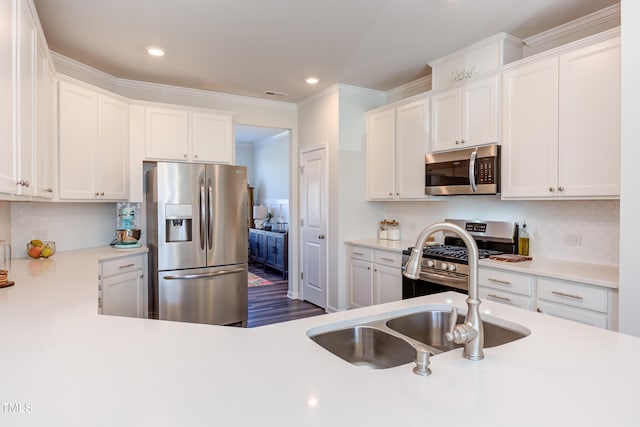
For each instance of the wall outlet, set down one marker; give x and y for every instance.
(572, 239)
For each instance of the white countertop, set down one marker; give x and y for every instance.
(66, 365)
(593, 274)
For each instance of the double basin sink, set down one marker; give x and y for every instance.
(392, 342)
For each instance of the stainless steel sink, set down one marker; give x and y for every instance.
(367, 346)
(429, 327)
(393, 342)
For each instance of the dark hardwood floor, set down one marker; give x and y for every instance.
(269, 304)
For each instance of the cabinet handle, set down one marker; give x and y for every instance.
(386, 259)
(494, 296)
(126, 266)
(562, 294)
(357, 253)
(321, 236)
(502, 282)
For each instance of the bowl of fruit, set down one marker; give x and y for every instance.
(41, 248)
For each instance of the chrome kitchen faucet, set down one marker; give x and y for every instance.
(470, 333)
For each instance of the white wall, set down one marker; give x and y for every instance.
(244, 157)
(335, 118)
(271, 168)
(547, 221)
(5, 221)
(629, 319)
(71, 225)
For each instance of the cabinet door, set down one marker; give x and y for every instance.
(78, 141)
(43, 173)
(8, 159)
(530, 130)
(261, 247)
(412, 139)
(166, 134)
(122, 296)
(589, 163)
(480, 112)
(27, 40)
(212, 137)
(387, 284)
(599, 320)
(446, 116)
(360, 283)
(381, 136)
(113, 148)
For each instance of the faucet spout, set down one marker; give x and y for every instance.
(471, 333)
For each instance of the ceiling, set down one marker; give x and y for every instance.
(248, 47)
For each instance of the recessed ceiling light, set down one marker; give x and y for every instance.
(155, 51)
(311, 80)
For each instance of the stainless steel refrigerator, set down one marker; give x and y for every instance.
(197, 238)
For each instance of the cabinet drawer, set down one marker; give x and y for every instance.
(571, 293)
(505, 281)
(392, 259)
(592, 318)
(116, 266)
(496, 295)
(360, 252)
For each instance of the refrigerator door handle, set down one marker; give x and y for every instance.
(204, 275)
(202, 213)
(210, 203)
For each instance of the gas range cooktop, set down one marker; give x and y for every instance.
(455, 253)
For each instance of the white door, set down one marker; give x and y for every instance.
(412, 140)
(212, 137)
(480, 112)
(113, 148)
(313, 197)
(446, 117)
(381, 137)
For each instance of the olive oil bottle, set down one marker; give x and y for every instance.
(523, 240)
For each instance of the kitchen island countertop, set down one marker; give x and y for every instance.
(63, 364)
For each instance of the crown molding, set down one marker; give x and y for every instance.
(423, 84)
(337, 88)
(67, 66)
(603, 16)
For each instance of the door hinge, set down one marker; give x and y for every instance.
(301, 275)
(302, 223)
(301, 169)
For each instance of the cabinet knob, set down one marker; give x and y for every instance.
(102, 194)
(457, 142)
(551, 189)
(184, 155)
(391, 194)
(96, 194)
(49, 190)
(195, 156)
(462, 141)
(321, 236)
(560, 188)
(26, 184)
(539, 310)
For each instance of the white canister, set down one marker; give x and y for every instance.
(393, 231)
(382, 230)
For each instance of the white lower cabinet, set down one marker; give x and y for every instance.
(581, 302)
(374, 276)
(505, 287)
(577, 301)
(122, 286)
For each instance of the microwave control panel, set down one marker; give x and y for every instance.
(486, 170)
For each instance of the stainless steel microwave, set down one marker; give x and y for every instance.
(468, 171)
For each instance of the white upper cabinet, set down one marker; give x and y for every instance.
(8, 143)
(466, 116)
(397, 139)
(93, 144)
(589, 155)
(25, 165)
(561, 125)
(181, 134)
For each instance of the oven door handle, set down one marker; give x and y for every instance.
(472, 171)
(427, 276)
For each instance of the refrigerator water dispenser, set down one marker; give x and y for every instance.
(178, 221)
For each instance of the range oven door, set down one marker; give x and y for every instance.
(468, 171)
(434, 283)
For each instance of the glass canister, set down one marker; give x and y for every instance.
(382, 230)
(5, 264)
(393, 230)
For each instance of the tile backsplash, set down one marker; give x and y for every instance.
(596, 222)
(71, 225)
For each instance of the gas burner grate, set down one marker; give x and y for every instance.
(455, 252)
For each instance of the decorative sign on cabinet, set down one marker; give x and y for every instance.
(397, 139)
(561, 125)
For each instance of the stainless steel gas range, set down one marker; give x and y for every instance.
(445, 267)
